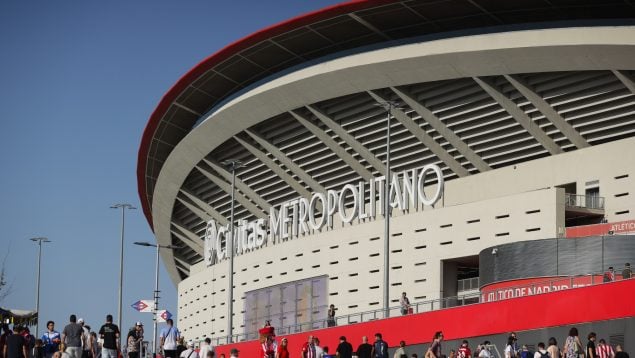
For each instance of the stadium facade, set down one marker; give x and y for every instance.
(511, 123)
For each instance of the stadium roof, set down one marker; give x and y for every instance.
(466, 124)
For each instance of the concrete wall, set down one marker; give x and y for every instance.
(502, 206)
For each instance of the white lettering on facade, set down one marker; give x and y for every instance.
(303, 216)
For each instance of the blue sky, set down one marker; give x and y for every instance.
(78, 81)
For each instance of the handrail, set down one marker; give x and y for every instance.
(584, 201)
(395, 311)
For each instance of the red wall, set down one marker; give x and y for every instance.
(539, 311)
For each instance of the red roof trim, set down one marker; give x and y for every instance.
(216, 58)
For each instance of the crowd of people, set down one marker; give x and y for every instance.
(571, 348)
(77, 340)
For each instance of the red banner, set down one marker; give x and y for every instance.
(620, 227)
(534, 286)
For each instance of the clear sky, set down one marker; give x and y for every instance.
(78, 81)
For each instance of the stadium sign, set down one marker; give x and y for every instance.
(303, 216)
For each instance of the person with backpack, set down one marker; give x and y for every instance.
(541, 352)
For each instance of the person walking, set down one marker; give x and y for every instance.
(51, 340)
(344, 349)
(619, 352)
(86, 344)
(380, 347)
(72, 338)
(15, 344)
(134, 339)
(169, 337)
(604, 350)
(553, 349)
(283, 349)
(572, 345)
(205, 347)
(189, 352)
(464, 350)
(590, 346)
(435, 347)
(541, 352)
(484, 352)
(109, 333)
(401, 351)
(308, 348)
(365, 349)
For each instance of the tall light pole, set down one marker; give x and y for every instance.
(232, 164)
(123, 207)
(39, 241)
(156, 290)
(388, 106)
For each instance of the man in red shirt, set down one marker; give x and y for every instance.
(464, 350)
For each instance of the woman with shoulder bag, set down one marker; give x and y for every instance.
(572, 345)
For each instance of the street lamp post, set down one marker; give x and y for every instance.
(39, 241)
(123, 207)
(388, 106)
(233, 164)
(156, 290)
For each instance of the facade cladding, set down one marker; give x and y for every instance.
(520, 115)
(555, 257)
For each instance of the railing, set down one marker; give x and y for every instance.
(468, 284)
(584, 201)
(418, 307)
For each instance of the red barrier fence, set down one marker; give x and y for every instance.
(539, 311)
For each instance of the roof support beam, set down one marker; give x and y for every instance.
(182, 269)
(226, 187)
(546, 109)
(336, 148)
(369, 26)
(184, 265)
(195, 209)
(205, 207)
(290, 164)
(186, 108)
(240, 185)
(520, 116)
(626, 80)
(189, 238)
(425, 138)
(442, 129)
(349, 139)
(271, 164)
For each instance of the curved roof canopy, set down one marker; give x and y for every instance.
(325, 32)
(240, 103)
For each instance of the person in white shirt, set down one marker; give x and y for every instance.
(189, 352)
(205, 347)
(319, 352)
(484, 352)
(541, 352)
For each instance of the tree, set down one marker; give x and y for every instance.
(5, 285)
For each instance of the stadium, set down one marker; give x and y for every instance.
(507, 128)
